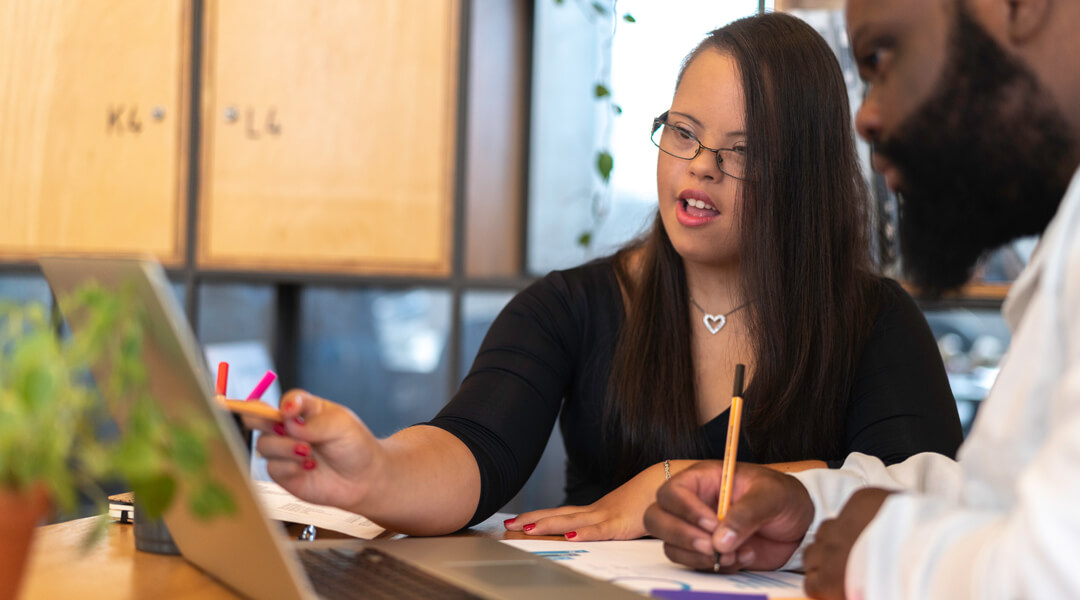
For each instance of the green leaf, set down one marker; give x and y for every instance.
(599, 8)
(601, 91)
(211, 500)
(585, 239)
(55, 429)
(629, 18)
(154, 495)
(558, 1)
(189, 453)
(96, 533)
(604, 164)
(38, 386)
(61, 489)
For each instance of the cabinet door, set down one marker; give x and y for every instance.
(328, 135)
(93, 150)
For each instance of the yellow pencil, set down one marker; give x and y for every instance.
(731, 449)
(254, 408)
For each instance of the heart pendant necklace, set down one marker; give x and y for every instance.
(714, 323)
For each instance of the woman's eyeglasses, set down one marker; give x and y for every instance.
(680, 143)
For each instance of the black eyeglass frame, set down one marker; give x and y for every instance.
(661, 121)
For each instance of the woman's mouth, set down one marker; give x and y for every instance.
(694, 210)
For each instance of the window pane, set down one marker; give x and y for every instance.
(25, 289)
(379, 352)
(236, 326)
(179, 290)
(235, 312)
(972, 343)
(569, 125)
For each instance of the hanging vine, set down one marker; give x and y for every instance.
(604, 162)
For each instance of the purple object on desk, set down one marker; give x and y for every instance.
(692, 595)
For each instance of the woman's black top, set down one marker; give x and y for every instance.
(551, 349)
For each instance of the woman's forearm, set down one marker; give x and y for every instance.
(427, 483)
(795, 467)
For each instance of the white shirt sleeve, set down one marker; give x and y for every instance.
(830, 489)
(930, 547)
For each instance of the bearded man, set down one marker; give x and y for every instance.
(973, 113)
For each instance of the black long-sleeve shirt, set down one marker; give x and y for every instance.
(551, 349)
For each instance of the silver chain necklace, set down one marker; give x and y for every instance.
(714, 323)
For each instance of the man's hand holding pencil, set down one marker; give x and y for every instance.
(769, 514)
(723, 516)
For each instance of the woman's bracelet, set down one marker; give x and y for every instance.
(667, 469)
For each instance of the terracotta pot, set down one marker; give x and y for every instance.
(20, 513)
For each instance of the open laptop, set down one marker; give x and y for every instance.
(253, 555)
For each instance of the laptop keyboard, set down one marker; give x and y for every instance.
(371, 573)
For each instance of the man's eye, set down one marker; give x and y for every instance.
(872, 63)
(872, 60)
(686, 135)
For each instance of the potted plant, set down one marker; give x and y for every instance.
(59, 435)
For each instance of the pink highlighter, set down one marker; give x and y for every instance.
(260, 388)
(251, 406)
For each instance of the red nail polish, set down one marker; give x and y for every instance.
(529, 527)
(571, 535)
(279, 428)
(507, 522)
(301, 450)
(299, 420)
(286, 405)
(309, 464)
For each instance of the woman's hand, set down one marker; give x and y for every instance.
(425, 480)
(321, 452)
(617, 516)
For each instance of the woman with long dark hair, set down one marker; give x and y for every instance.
(758, 256)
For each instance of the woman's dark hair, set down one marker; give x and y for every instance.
(804, 260)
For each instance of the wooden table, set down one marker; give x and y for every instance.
(112, 569)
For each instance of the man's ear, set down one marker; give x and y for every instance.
(1026, 19)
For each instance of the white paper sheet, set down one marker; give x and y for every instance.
(283, 506)
(640, 565)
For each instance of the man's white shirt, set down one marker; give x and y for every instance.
(1003, 521)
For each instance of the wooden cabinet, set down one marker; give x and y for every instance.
(93, 127)
(327, 132)
(328, 135)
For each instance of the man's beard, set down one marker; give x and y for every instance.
(985, 160)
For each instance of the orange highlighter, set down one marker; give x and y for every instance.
(248, 407)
